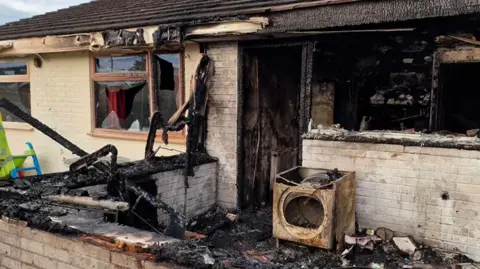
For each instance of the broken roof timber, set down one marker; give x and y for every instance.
(234, 27)
(95, 41)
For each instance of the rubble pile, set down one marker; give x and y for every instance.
(247, 243)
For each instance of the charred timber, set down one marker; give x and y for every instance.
(15, 110)
(196, 113)
(90, 159)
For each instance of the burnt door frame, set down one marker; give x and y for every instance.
(305, 100)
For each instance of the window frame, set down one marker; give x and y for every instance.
(174, 137)
(17, 79)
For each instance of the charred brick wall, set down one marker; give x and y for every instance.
(222, 119)
(432, 194)
(201, 194)
(25, 248)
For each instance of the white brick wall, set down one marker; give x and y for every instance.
(400, 188)
(201, 194)
(60, 97)
(222, 119)
(25, 248)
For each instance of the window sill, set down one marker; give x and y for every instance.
(19, 126)
(173, 138)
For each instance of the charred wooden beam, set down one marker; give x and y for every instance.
(90, 159)
(88, 201)
(15, 110)
(158, 122)
(196, 113)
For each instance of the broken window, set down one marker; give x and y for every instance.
(128, 88)
(459, 98)
(167, 78)
(15, 87)
(384, 83)
(122, 93)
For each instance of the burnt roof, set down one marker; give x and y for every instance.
(117, 14)
(287, 15)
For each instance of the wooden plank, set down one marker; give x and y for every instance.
(323, 102)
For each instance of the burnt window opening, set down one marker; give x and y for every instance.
(459, 95)
(166, 75)
(384, 83)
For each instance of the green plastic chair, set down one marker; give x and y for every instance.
(11, 165)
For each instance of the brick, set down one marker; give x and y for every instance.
(10, 263)
(57, 254)
(32, 246)
(44, 262)
(5, 249)
(26, 257)
(9, 239)
(126, 260)
(81, 261)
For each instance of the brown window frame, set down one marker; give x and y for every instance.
(17, 79)
(174, 137)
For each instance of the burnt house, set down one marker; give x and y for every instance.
(383, 88)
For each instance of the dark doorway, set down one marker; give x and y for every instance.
(460, 97)
(272, 82)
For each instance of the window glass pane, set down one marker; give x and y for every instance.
(122, 105)
(135, 63)
(13, 68)
(168, 66)
(17, 93)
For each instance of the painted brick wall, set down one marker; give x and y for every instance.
(201, 194)
(60, 97)
(222, 119)
(25, 248)
(401, 187)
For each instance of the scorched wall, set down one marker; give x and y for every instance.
(200, 196)
(432, 194)
(222, 119)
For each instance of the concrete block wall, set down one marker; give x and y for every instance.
(25, 248)
(222, 119)
(401, 188)
(201, 194)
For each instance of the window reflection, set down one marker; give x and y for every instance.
(136, 63)
(13, 68)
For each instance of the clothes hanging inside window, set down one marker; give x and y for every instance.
(120, 101)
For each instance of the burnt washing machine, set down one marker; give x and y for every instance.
(314, 207)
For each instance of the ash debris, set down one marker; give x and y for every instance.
(244, 243)
(247, 243)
